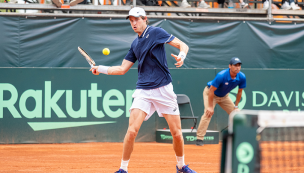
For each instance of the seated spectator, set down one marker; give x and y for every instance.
(289, 4)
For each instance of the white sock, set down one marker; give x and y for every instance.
(124, 165)
(180, 162)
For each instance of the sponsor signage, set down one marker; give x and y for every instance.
(49, 105)
(37, 102)
(164, 136)
(111, 102)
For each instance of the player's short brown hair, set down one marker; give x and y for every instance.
(143, 17)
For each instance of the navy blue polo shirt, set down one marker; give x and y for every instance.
(225, 84)
(149, 50)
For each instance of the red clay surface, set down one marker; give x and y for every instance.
(104, 158)
(282, 157)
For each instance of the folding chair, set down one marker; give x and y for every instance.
(184, 99)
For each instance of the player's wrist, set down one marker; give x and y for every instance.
(103, 69)
(236, 107)
(182, 55)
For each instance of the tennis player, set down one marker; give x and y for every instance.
(154, 91)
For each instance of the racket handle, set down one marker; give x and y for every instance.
(93, 70)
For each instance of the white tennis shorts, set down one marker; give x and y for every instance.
(163, 100)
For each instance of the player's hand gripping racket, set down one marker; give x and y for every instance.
(87, 57)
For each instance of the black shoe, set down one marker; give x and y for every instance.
(199, 142)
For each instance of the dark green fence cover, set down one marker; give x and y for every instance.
(49, 42)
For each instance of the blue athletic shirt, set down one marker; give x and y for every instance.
(225, 84)
(149, 50)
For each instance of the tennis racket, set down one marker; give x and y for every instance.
(86, 56)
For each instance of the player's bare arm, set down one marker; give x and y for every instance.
(114, 70)
(210, 110)
(183, 51)
(238, 97)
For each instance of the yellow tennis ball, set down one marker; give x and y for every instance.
(106, 51)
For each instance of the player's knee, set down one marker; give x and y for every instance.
(177, 136)
(132, 134)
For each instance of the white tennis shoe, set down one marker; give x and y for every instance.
(294, 6)
(203, 4)
(266, 5)
(286, 6)
(185, 4)
(244, 5)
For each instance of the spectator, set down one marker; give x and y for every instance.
(289, 4)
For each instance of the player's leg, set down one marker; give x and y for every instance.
(174, 123)
(164, 101)
(137, 117)
(141, 110)
(204, 123)
(226, 104)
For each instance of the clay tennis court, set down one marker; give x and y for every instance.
(104, 157)
(279, 156)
